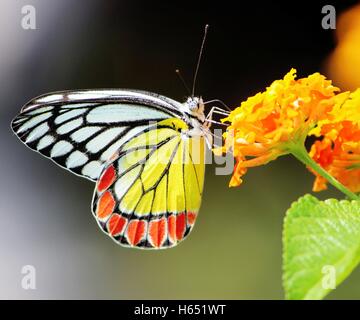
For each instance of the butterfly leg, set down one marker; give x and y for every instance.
(221, 102)
(215, 110)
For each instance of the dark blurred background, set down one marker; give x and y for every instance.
(234, 252)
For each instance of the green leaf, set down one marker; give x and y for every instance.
(321, 239)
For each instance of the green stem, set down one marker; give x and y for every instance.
(299, 152)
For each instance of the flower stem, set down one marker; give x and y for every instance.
(300, 153)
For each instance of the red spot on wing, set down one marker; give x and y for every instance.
(106, 205)
(177, 225)
(180, 225)
(191, 217)
(107, 178)
(172, 227)
(157, 232)
(116, 224)
(135, 231)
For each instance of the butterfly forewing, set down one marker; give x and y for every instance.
(81, 130)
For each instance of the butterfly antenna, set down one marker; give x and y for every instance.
(199, 59)
(183, 81)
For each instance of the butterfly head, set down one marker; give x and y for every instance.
(195, 118)
(195, 105)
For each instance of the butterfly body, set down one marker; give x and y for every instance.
(145, 152)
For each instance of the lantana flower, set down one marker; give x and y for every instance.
(275, 122)
(338, 152)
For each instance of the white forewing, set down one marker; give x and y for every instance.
(81, 130)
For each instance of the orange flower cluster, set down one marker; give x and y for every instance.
(338, 151)
(266, 125)
(277, 121)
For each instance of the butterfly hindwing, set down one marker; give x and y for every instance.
(149, 194)
(80, 130)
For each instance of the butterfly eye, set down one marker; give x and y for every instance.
(192, 103)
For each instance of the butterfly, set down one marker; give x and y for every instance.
(144, 151)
